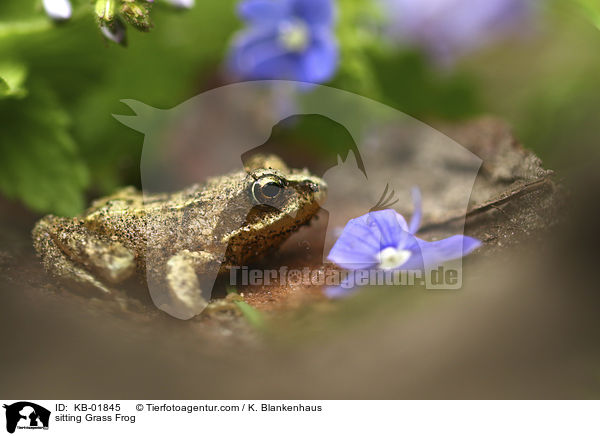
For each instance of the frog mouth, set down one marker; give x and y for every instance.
(313, 191)
(319, 191)
(314, 187)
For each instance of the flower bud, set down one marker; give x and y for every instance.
(182, 4)
(58, 9)
(115, 31)
(137, 13)
(105, 10)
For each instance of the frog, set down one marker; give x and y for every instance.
(179, 242)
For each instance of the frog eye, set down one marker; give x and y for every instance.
(267, 189)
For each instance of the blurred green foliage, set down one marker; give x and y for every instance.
(60, 83)
(40, 160)
(546, 85)
(12, 79)
(591, 9)
(57, 136)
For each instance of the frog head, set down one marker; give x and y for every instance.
(279, 200)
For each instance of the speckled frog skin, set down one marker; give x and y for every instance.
(178, 242)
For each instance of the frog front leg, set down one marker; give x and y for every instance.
(188, 275)
(71, 251)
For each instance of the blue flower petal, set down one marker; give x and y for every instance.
(391, 225)
(262, 51)
(357, 247)
(262, 11)
(320, 61)
(428, 255)
(364, 237)
(284, 66)
(314, 12)
(415, 219)
(257, 55)
(362, 241)
(415, 262)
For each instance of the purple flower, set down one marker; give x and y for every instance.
(286, 39)
(382, 240)
(447, 28)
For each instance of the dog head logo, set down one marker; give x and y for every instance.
(369, 155)
(26, 415)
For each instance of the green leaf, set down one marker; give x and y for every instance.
(12, 80)
(40, 164)
(253, 316)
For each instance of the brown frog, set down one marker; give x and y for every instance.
(178, 242)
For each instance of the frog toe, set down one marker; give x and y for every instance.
(114, 263)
